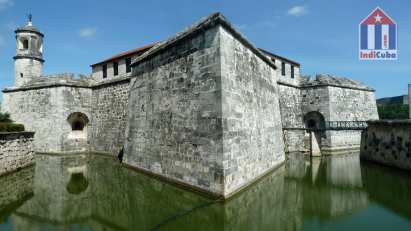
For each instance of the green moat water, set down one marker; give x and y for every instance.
(92, 192)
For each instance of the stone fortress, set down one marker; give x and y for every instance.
(204, 108)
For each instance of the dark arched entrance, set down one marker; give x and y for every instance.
(314, 120)
(315, 125)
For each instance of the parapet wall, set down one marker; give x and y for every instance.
(16, 151)
(388, 142)
(45, 110)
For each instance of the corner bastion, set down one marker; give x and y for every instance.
(204, 111)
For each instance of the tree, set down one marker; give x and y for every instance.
(5, 118)
(393, 111)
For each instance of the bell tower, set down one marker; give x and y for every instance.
(28, 62)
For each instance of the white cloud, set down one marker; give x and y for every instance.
(4, 4)
(88, 32)
(297, 11)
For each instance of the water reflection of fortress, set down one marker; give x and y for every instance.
(114, 198)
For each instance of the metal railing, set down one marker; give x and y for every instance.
(335, 125)
(345, 125)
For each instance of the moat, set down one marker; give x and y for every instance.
(94, 192)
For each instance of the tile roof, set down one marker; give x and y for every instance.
(279, 57)
(125, 54)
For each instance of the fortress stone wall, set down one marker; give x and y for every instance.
(335, 99)
(252, 130)
(109, 106)
(175, 118)
(292, 117)
(388, 142)
(45, 108)
(205, 108)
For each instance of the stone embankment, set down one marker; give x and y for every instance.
(388, 142)
(16, 151)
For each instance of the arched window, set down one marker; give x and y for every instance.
(77, 121)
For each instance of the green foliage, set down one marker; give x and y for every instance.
(11, 127)
(393, 111)
(5, 118)
(7, 125)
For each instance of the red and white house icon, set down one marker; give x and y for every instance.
(378, 37)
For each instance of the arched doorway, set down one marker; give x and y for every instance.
(315, 125)
(314, 120)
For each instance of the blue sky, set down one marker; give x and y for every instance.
(321, 35)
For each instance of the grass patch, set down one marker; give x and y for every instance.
(7, 125)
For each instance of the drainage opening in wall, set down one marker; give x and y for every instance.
(78, 122)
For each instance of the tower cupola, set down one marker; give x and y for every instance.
(28, 61)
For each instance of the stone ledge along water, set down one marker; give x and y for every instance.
(388, 142)
(16, 151)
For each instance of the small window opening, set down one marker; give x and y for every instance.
(25, 44)
(283, 68)
(104, 71)
(21, 75)
(115, 67)
(128, 64)
(292, 71)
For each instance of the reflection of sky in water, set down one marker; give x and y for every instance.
(89, 192)
(5, 225)
(368, 219)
